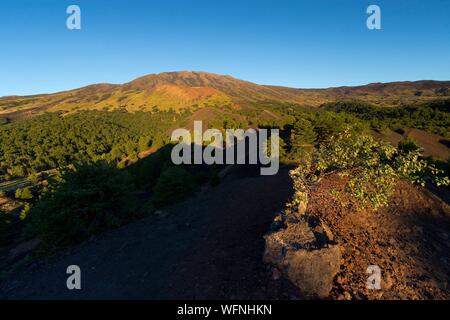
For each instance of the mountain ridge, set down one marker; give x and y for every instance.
(184, 89)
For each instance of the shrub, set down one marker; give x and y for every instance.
(407, 145)
(174, 184)
(85, 201)
(373, 167)
(24, 212)
(24, 194)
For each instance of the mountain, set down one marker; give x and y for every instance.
(178, 90)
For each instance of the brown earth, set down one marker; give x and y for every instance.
(409, 240)
(433, 145)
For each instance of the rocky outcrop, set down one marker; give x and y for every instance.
(303, 249)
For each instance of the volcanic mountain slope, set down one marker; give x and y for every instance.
(178, 90)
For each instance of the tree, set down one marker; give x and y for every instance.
(144, 143)
(174, 185)
(82, 202)
(24, 194)
(303, 133)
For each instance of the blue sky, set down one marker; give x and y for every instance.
(293, 43)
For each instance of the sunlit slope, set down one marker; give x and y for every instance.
(178, 90)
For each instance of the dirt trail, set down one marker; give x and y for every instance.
(208, 247)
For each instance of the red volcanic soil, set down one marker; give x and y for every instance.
(409, 240)
(433, 145)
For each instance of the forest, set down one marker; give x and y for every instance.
(54, 141)
(432, 116)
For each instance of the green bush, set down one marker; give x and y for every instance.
(373, 167)
(407, 145)
(174, 184)
(24, 194)
(85, 201)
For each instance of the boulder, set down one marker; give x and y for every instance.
(306, 254)
(313, 271)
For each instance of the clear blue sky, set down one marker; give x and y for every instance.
(292, 43)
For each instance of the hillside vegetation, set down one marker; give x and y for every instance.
(181, 90)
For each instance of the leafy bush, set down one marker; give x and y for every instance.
(24, 212)
(85, 201)
(328, 124)
(373, 167)
(24, 194)
(174, 184)
(407, 145)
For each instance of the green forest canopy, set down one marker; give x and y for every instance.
(54, 141)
